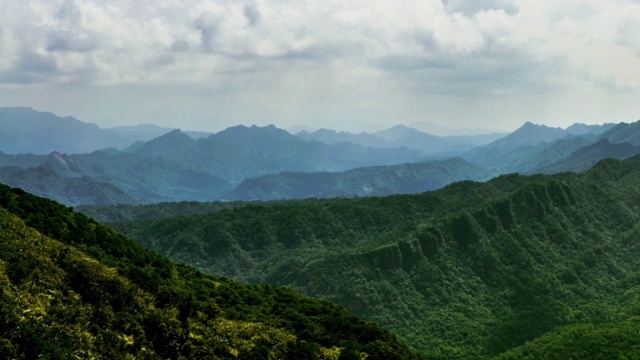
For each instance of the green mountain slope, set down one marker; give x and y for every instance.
(470, 271)
(71, 288)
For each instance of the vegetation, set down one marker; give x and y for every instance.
(127, 213)
(538, 266)
(72, 288)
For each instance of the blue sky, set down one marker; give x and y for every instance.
(346, 65)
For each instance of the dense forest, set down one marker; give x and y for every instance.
(518, 267)
(71, 288)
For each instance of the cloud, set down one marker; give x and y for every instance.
(472, 7)
(208, 24)
(332, 52)
(36, 63)
(68, 41)
(180, 46)
(252, 14)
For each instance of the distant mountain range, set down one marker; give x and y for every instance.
(403, 136)
(27, 131)
(517, 151)
(147, 163)
(241, 152)
(47, 183)
(24, 130)
(443, 130)
(369, 181)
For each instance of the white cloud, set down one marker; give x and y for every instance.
(385, 58)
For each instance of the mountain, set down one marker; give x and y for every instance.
(583, 129)
(414, 139)
(544, 160)
(403, 136)
(440, 130)
(142, 132)
(585, 157)
(172, 145)
(331, 137)
(623, 132)
(530, 134)
(581, 150)
(174, 166)
(24, 130)
(298, 128)
(369, 181)
(523, 149)
(147, 179)
(241, 152)
(70, 191)
(72, 288)
(517, 265)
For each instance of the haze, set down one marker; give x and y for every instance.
(207, 65)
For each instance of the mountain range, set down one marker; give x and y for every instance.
(407, 178)
(516, 151)
(264, 163)
(540, 266)
(518, 247)
(403, 136)
(27, 131)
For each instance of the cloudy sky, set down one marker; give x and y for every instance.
(342, 64)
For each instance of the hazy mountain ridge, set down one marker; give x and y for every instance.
(176, 166)
(24, 130)
(146, 132)
(585, 157)
(623, 132)
(370, 181)
(27, 131)
(403, 136)
(147, 179)
(241, 152)
(528, 147)
(73, 191)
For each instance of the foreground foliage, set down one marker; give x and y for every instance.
(520, 266)
(72, 288)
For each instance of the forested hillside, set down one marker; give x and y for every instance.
(71, 288)
(522, 266)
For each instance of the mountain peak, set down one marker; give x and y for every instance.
(256, 133)
(174, 136)
(530, 125)
(173, 142)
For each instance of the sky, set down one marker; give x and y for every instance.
(339, 64)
